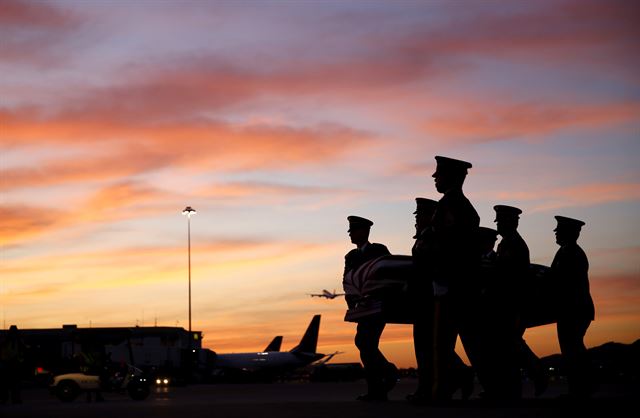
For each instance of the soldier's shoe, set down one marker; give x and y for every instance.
(372, 397)
(541, 383)
(419, 397)
(467, 383)
(391, 378)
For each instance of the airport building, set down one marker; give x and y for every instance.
(144, 347)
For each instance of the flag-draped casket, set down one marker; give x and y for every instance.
(380, 288)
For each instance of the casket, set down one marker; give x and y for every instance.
(540, 305)
(382, 274)
(379, 288)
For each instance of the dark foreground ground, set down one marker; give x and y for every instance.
(326, 400)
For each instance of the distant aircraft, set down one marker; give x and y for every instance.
(274, 345)
(326, 294)
(267, 365)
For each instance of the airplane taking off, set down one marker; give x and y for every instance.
(326, 294)
(266, 365)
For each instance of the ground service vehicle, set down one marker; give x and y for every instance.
(130, 380)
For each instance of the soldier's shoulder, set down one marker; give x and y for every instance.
(351, 253)
(379, 248)
(377, 245)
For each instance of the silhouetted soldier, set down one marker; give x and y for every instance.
(570, 269)
(487, 238)
(454, 262)
(381, 375)
(483, 359)
(12, 356)
(421, 294)
(504, 296)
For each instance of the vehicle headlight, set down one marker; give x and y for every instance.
(165, 381)
(158, 381)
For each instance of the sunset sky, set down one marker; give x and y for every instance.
(276, 120)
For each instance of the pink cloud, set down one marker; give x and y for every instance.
(488, 121)
(33, 32)
(580, 195)
(555, 31)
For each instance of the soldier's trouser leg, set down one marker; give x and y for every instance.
(532, 365)
(528, 360)
(375, 364)
(445, 333)
(423, 345)
(574, 353)
(4, 387)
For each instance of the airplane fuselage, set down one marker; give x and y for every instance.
(264, 360)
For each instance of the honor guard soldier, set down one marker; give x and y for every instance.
(570, 269)
(505, 295)
(454, 261)
(381, 375)
(487, 238)
(421, 294)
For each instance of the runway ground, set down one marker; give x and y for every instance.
(326, 400)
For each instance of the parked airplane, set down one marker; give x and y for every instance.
(327, 358)
(274, 345)
(326, 294)
(267, 365)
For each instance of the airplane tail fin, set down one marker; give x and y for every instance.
(275, 344)
(309, 341)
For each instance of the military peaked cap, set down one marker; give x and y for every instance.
(563, 221)
(358, 222)
(452, 164)
(425, 205)
(504, 211)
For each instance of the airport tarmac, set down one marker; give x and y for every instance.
(304, 399)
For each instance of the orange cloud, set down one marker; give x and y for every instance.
(617, 296)
(21, 222)
(203, 144)
(255, 191)
(83, 169)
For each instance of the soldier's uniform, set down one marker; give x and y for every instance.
(381, 375)
(570, 269)
(421, 297)
(358, 256)
(505, 296)
(454, 261)
(421, 294)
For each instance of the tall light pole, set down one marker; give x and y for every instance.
(188, 211)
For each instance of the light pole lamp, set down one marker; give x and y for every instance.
(188, 211)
